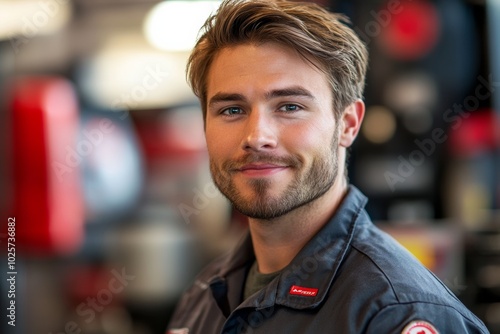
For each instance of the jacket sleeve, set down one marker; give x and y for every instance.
(398, 318)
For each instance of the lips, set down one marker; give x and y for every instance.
(261, 169)
(260, 165)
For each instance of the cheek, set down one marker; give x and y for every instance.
(314, 137)
(218, 144)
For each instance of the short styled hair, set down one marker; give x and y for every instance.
(319, 36)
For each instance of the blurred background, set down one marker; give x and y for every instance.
(104, 171)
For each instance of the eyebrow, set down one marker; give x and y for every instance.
(284, 92)
(290, 91)
(226, 97)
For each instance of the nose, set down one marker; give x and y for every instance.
(260, 132)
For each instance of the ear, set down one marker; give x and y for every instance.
(351, 123)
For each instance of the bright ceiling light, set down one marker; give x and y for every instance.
(127, 73)
(174, 25)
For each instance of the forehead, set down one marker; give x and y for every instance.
(250, 67)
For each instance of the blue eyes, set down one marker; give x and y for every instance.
(233, 111)
(289, 107)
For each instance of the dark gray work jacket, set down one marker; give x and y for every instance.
(350, 278)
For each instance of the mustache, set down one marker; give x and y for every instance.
(263, 158)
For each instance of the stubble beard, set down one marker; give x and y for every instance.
(303, 190)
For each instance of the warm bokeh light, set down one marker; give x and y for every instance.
(410, 90)
(27, 19)
(379, 124)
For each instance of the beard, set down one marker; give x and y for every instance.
(307, 186)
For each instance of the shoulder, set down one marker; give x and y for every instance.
(399, 287)
(383, 256)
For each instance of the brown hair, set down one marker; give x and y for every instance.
(319, 36)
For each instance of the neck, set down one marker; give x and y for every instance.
(276, 242)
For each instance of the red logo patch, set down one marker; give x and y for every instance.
(301, 291)
(419, 327)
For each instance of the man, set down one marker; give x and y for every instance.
(280, 85)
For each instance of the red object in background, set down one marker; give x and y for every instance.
(48, 204)
(163, 137)
(474, 134)
(412, 30)
(100, 284)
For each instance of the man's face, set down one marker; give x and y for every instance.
(270, 129)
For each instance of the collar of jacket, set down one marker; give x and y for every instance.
(314, 267)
